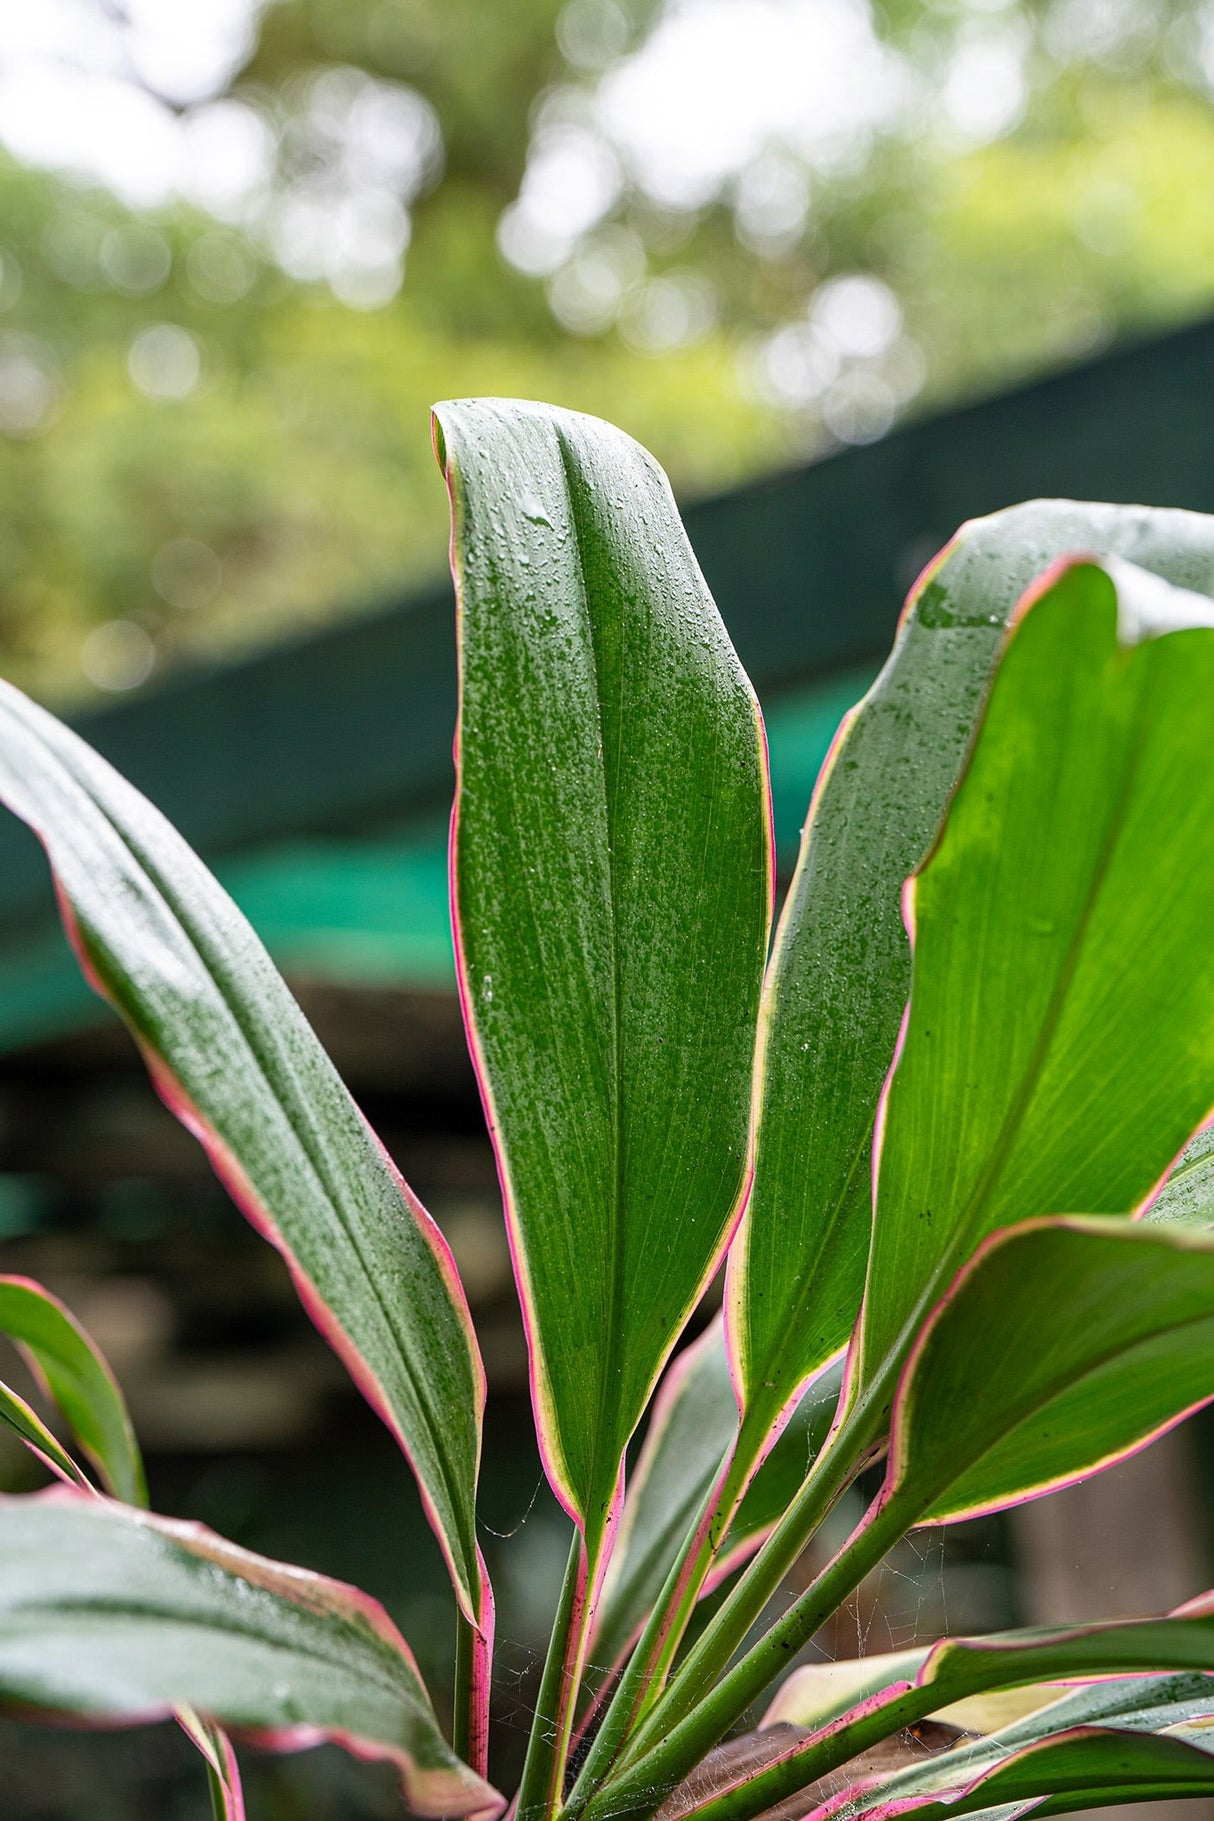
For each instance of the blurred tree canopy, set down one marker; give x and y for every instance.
(745, 229)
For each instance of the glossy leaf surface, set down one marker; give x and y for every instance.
(113, 1614)
(841, 970)
(232, 1055)
(612, 888)
(1094, 1335)
(1059, 1048)
(692, 1427)
(78, 1379)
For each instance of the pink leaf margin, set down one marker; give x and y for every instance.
(898, 1448)
(478, 1609)
(851, 1800)
(40, 1291)
(216, 1749)
(477, 1604)
(736, 1271)
(542, 1401)
(1037, 589)
(438, 1795)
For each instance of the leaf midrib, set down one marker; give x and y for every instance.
(615, 1299)
(154, 1613)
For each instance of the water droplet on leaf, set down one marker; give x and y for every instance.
(532, 507)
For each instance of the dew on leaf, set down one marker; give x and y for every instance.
(532, 507)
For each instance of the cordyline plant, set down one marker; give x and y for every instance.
(936, 1130)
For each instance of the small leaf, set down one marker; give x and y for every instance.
(1059, 1047)
(840, 969)
(16, 1415)
(612, 894)
(231, 1054)
(1094, 1336)
(974, 1675)
(223, 1772)
(113, 1614)
(691, 1429)
(78, 1379)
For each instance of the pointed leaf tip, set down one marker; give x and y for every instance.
(79, 1380)
(611, 901)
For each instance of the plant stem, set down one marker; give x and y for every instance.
(544, 1767)
(647, 1667)
(816, 1759)
(833, 1471)
(703, 1548)
(469, 1734)
(675, 1748)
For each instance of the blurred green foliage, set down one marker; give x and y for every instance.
(202, 445)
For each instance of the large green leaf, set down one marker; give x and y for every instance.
(78, 1379)
(612, 893)
(1059, 1047)
(232, 1055)
(841, 968)
(692, 1427)
(1093, 1335)
(116, 1615)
